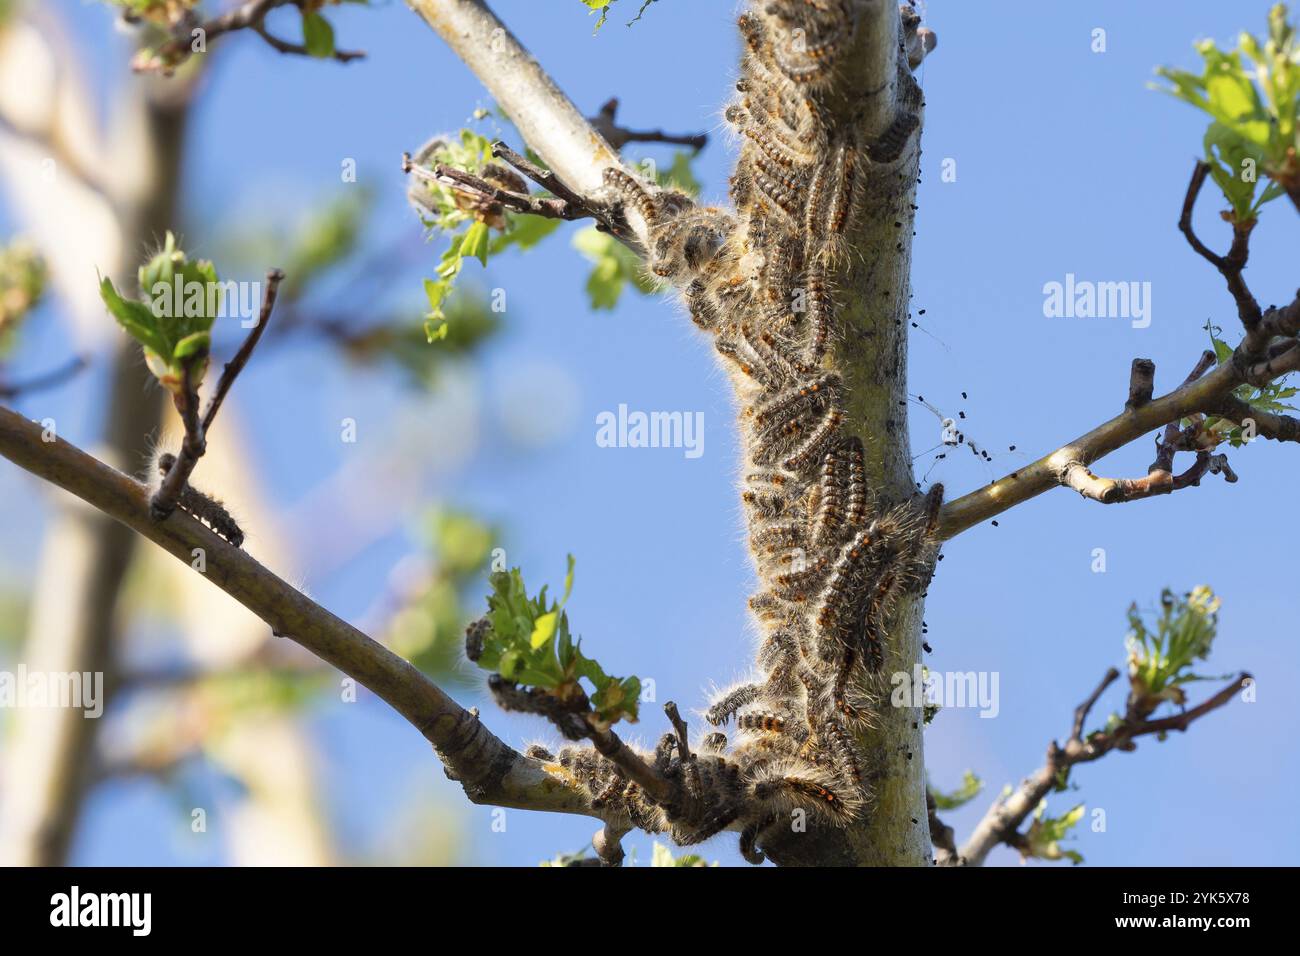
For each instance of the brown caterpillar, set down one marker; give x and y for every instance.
(833, 557)
(208, 510)
(888, 146)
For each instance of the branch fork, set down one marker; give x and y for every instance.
(194, 445)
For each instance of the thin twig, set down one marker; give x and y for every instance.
(1160, 478)
(297, 49)
(1001, 824)
(618, 137)
(1081, 712)
(442, 174)
(247, 16)
(1233, 264)
(236, 365)
(608, 744)
(543, 177)
(679, 726)
(193, 445)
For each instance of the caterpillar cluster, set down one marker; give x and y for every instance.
(208, 510)
(832, 556)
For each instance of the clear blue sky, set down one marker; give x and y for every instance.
(1066, 163)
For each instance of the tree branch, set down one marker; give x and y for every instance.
(250, 15)
(941, 835)
(195, 443)
(1233, 264)
(489, 771)
(1002, 822)
(604, 122)
(567, 141)
(236, 365)
(297, 49)
(1207, 394)
(873, 95)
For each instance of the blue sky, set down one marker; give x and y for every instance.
(1066, 163)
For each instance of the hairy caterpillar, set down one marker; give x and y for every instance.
(208, 510)
(833, 557)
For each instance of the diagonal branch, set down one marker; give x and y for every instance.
(547, 120)
(1211, 394)
(236, 365)
(489, 770)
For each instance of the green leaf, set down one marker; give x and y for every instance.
(601, 7)
(529, 642)
(197, 344)
(615, 266)
(524, 232)
(661, 855)
(136, 318)
(475, 242)
(1161, 658)
(317, 35)
(544, 629)
(568, 582)
(970, 788)
(1252, 94)
(1042, 839)
(22, 285)
(444, 209)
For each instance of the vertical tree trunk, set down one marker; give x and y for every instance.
(873, 298)
(74, 622)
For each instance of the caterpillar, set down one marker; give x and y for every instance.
(208, 510)
(833, 556)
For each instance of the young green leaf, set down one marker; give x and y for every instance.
(1044, 836)
(1161, 658)
(614, 267)
(529, 642)
(317, 34)
(970, 788)
(1252, 95)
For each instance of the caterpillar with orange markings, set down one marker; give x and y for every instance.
(833, 558)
